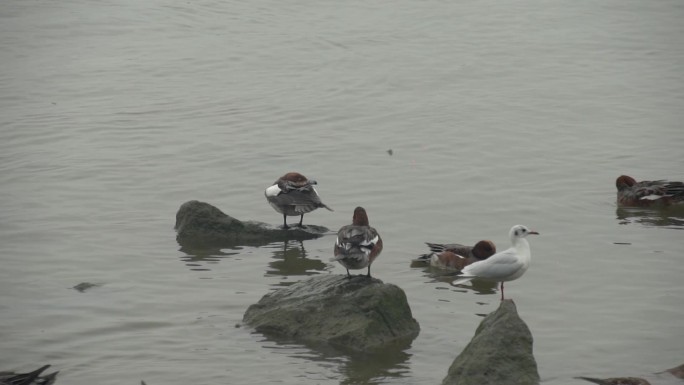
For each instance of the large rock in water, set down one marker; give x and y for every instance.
(201, 224)
(499, 353)
(360, 313)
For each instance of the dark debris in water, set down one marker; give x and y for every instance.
(83, 286)
(31, 378)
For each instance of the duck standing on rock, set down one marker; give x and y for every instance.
(358, 244)
(292, 195)
(507, 265)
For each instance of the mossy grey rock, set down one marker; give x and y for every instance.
(360, 313)
(201, 224)
(499, 353)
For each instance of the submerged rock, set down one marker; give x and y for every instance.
(201, 224)
(661, 377)
(360, 313)
(616, 380)
(499, 353)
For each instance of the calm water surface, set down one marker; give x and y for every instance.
(115, 113)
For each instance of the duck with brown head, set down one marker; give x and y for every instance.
(456, 256)
(358, 244)
(294, 195)
(648, 193)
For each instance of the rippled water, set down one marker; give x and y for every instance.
(115, 113)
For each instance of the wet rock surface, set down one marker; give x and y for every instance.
(500, 352)
(357, 314)
(199, 224)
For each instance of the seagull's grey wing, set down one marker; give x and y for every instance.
(497, 266)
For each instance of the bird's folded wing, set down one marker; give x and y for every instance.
(497, 266)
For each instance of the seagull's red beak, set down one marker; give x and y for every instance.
(533, 232)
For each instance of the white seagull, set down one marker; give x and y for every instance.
(507, 265)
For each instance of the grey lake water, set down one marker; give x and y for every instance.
(114, 113)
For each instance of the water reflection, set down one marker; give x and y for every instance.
(290, 259)
(355, 367)
(671, 217)
(197, 259)
(479, 286)
(375, 368)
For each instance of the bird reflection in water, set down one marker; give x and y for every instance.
(671, 217)
(477, 285)
(290, 259)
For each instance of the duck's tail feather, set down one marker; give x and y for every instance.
(436, 247)
(326, 206)
(424, 258)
